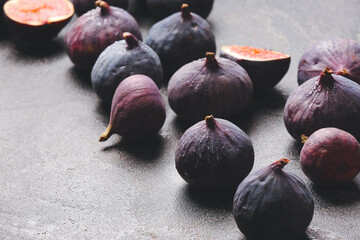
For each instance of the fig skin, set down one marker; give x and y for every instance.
(207, 86)
(180, 39)
(137, 110)
(30, 33)
(330, 157)
(164, 8)
(264, 73)
(91, 33)
(83, 6)
(328, 100)
(121, 60)
(273, 204)
(214, 154)
(340, 54)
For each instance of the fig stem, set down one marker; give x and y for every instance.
(304, 138)
(211, 60)
(185, 12)
(105, 8)
(282, 162)
(343, 73)
(105, 136)
(131, 40)
(210, 122)
(325, 76)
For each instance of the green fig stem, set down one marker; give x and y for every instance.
(343, 73)
(185, 12)
(211, 60)
(105, 136)
(304, 138)
(131, 40)
(105, 8)
(282, 162)
(210, 122)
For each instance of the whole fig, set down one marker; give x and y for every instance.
(209, 86)
(273, 204)
(82, 6)
(137, 110)
(328, 100)
(339, 54)
(164, 8)
(330, 157)
(91, 33)
(180, 39)
(120, 60)
(214, 154)
(265, 67)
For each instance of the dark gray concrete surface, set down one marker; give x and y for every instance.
(58, 182)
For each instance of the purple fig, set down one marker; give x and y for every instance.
(120, 60)
(339, 54)
(137, 110)
(265, 67)
(207, 86)
(164, 8)
(273, 204)
(328, 100)
(180, 39)
(330, 157)
(83, 6)
(91, 33)
(214, 154)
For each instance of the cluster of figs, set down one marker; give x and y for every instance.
(323, 111)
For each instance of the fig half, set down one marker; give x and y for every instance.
(37, 19)
(265, 67)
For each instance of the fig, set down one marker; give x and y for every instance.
(83, 6)
(214, 154)
(340, 54)
(207, 86)
(164, 8)
(330, 157)
(91, 33)
(137, 109)
(180, 39)
(273, 204)
(328, 100)
(120, 60)
(37, 20)
(265, 67)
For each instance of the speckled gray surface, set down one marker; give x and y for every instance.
(58, 182)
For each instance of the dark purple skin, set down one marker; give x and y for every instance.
(326, 101)
(330, 157)
(273, 204)
(214, 154)
(264, 74)
(137, 110)
(91, 33)
(207, 86)
(339, 54)
(41, 33)
(180, 39)
(164, 8)
(83, 6)
(121, 60)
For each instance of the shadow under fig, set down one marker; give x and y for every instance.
(294, 150)
(272, 98)
(80, 77)
(40, 49)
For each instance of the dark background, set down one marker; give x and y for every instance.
(58, 182)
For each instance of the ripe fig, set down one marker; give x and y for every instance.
(330, 157)
(37, 20)
(120, 60)
(180, 39)
(164, 8)
(214, 154)
(328, 100)
(82, 6)
(265, 67)
(339, 54)
(209, 86)
(273, 204)
(137, 110)
(91, 33)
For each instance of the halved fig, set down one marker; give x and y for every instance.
(37, 19)
(265, 67)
